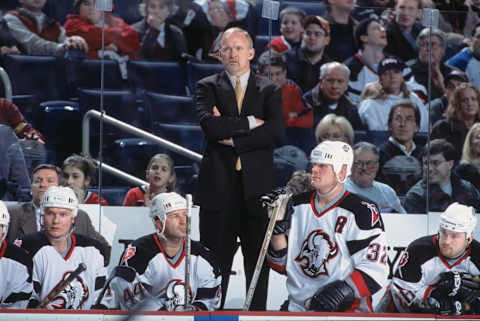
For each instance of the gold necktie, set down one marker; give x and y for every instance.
(239, 96)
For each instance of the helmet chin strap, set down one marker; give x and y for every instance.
(329, 193)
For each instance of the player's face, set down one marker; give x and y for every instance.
(291, 28)
(403, 125)
(315, 38)
(57, 222)
(334, 83)
(33, 5)
(406, 13)
(391, 81)
(376, 35)
(41, 181)
(176, 224)
(87, 11)
(159, 175)
(475, 143)
(452, 244)
(236, 53)
(158, 9)
(365, 168)
(323, 178)
(75, 179)
(439, 169)
(438, 50)
(469, 107)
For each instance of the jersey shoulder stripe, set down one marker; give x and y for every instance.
(475, 254)
(19, 255)
(33, 242)
(86, 241)
(141, 252)
(366, 213)
(198, 249)
(417, 253)
(302, 198)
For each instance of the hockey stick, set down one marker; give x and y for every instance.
(276, 205)
(188, 251)
(125, 272)
(59, 288)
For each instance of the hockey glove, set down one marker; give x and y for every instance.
(337, 296)
(445, 306)
(284, 218)
(448, 285)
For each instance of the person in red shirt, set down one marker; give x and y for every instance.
(78, 173)
(86, 22)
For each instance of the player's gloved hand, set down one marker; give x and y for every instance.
(337, 296)
(282, 225)
(445, 306)
(448, 285)
(182, 307)
(269, 199)
(99, 307)
(469, 288)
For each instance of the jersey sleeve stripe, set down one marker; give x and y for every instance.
(206, 293)
(100, 282)
(18, 296)
(358, 245)
(360, 283)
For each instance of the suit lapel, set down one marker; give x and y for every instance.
(29, 225)
(226, 95)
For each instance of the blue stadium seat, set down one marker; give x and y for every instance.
(8, 4)
(86, 73)
(170, 109)
(261, 41)
(60, 122)
(197, 71)
(377, 137)
(40, 77)
(114, 195)
(58, 9)
(160, 76)
(188, 136)
(315, 8)
(127, 10)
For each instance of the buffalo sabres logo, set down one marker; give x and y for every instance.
(316, 251)
(73, 296)
(403, 260)
(174, 295)
(128, 253)
(374, 211)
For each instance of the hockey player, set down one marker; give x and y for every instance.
(159, 261)
(330, 243)
(57, 252)
(437, 273)
(15, 269)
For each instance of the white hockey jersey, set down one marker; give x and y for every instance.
(16, 272)
(50, 268)
(344, 242)
(160, 284)
(420, 267)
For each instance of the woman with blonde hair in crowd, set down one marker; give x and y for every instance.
(161, 178)
(462, 112)
(333, 127)
(469, 167)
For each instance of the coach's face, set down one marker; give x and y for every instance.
(236, 53)
(41, 181)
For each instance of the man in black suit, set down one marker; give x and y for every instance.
(241, 115)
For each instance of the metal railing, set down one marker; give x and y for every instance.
(7, 85)
(132, 130)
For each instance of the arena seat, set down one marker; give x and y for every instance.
(197, 71)
(310, 7)
(160, 76)
(85, 73)
(8, 4)
(127, 10)
(170, 109)
(261, 41)
(58, 9)
(114, 195)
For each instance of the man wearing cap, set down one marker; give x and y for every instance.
(16, 269)
(329, 242)
(371, 39)
(57, 252)
(303, 63)
(159, 261)
(381, 95)
(435, 273)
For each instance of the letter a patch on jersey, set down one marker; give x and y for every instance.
(374, 211)
(129, 253)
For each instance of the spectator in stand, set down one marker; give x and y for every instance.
(438, 106)
(303, 63)
(400, 157)
(291, 28)
(292, 100)
(468, 60)
(362, 180)
(402, 32)
(460, 17)
(445, 187)
(37, 33)
(328, 96)
(439, 69)
(378, 97)
(120, 39)
(469, 167)
(336, 128)
(11, 116)
(161, 178)
(8, 44)
(462, 112)
(78, 172)
(367, 7)
(342, 26)
(371, 39)
(159, 39)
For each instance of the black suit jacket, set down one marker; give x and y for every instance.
(255, 147)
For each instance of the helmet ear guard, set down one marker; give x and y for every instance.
(459, 218)
(336, 154)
